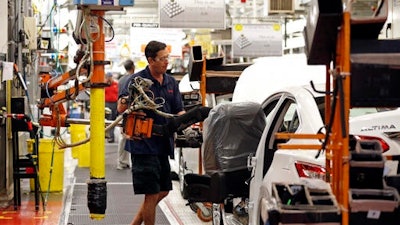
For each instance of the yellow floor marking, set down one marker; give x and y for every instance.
(5, 217)
(8, 212)
(41, 217)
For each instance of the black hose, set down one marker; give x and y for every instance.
(329, 125)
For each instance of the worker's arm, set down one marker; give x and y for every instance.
(181, 112)
(185, 119)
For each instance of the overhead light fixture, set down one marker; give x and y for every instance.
(118, 12)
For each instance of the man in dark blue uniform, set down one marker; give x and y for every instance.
(151, 171)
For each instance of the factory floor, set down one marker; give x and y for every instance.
(69, 206)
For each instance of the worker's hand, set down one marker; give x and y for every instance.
(122, 104)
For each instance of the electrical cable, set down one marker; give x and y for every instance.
(50, 175)
(93, 27)
(109, 24)
(141, 98)
(47, 86)
(329, 125)
(47, 18)
(34, 162)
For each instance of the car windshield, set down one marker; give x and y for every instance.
(354, 112)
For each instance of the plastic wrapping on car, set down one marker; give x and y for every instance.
(231, 132)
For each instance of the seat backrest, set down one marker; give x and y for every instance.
(231, 133)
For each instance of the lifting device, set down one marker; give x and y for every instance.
(136, 125)
(90, 35)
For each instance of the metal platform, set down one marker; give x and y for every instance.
(122, 204)
(69, 207)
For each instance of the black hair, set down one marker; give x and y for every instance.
(153, 47)
(129, 65)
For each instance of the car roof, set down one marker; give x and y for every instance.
(185, 85)
(269, 74)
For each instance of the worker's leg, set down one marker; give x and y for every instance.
(151, 176)
(146, 178)
(146, 213)
(123, 155)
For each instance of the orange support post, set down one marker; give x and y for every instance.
(328, 154)
(97, 106)
(98, 52)
(203, 82)
(340, 140)
(203, 93)
(97, 184)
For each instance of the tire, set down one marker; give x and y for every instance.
(207, 215)
(193, 206)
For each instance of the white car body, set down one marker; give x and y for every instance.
(270, 82)
(261, 83)
(300, 99)
(254, 84)
(282, 167)
(384, 124)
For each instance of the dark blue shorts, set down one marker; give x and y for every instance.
(151, 174)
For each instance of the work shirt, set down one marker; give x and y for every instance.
(173, 104)
(111, 92)
(123, 83)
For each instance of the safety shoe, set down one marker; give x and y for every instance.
(122, 167)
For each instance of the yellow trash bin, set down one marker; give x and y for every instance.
(80, 152)
(84, 155)
(51, 167)
(78, 133)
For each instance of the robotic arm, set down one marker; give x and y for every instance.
(53, 98)
(54, 102)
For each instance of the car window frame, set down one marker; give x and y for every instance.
(273, 106)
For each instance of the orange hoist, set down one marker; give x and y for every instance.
(136, 124)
